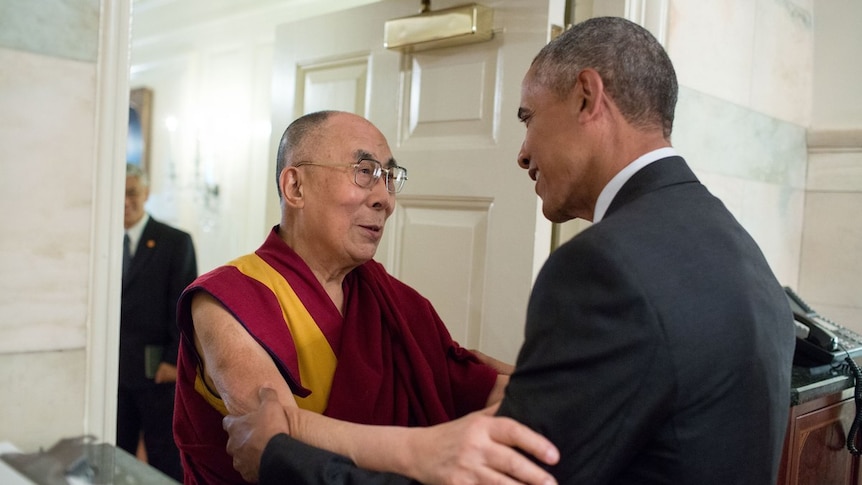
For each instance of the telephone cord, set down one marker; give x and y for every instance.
(857, 397)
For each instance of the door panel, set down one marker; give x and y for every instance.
(437, 115)
(467, 231)
(338, 84)
(451, 226)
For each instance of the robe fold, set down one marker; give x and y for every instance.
(389, 360)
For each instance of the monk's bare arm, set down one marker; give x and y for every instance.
(477, 448)
(234, 364)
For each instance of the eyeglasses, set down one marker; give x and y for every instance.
(367, 172)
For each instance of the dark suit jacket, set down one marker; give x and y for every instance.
(163, 265)
(658, 344)
(658, 350)
(289, 461)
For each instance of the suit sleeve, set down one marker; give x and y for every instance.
(183, 272)
(286, 460)
(584, 376)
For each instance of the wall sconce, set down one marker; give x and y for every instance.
(448, 27)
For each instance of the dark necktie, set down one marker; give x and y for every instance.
(127, 255)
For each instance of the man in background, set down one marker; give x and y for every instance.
(158, 263)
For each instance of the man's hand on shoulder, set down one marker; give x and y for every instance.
(250, 433)
(482, 448)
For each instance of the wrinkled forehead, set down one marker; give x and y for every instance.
(350, 138)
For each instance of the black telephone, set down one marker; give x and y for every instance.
(820, 341)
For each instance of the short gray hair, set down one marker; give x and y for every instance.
(136, 171)
(294, 136)
(635, 69)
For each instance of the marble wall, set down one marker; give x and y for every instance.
(745, 101)
(48, 54)
(771, 118)
(755, 164)
(831, 267)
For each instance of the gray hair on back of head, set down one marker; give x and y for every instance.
(635, 69)
(293, 138)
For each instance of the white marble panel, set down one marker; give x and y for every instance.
(42, 398)
(782, 71)
(46, 157)
(61, 28)
(831, 267)
(710, 46)
(837, 70)
(721, 137)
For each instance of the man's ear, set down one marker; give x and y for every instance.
(290, 183)
(592, 91)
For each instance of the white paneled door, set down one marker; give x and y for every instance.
(467, 231)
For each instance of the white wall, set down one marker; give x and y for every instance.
(831, 265)
(837, 65)
(64, 61)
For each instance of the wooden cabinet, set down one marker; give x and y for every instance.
(815, 451)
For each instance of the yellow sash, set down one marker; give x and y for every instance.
(316, 359)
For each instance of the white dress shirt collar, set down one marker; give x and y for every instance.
(613, 187)
(135, 232)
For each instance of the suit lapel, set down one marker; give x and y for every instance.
(661, 173)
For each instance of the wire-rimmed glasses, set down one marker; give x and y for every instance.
(367, 171)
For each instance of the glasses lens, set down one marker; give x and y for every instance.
(395, 178)
(366, 172)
